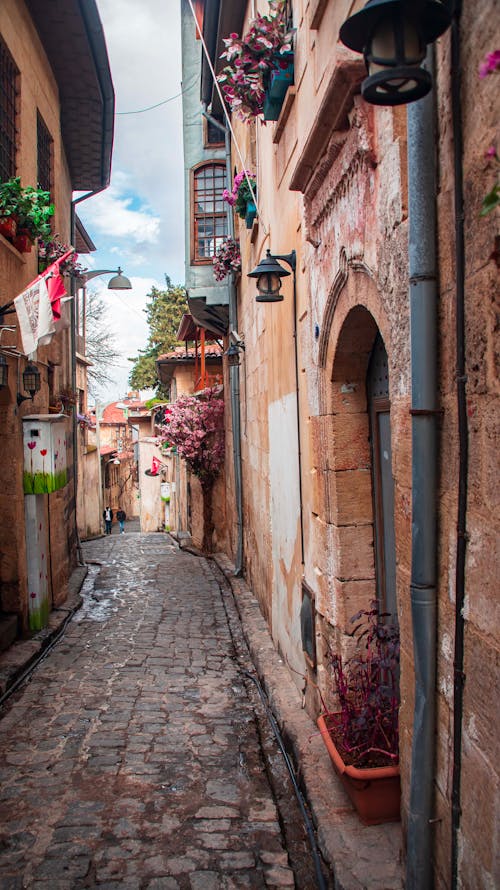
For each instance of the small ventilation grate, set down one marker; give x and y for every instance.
(308, 625)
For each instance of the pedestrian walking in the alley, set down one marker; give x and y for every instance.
(108, 519)
(121, 517)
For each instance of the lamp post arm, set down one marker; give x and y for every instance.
(290, 258)
(88, 275)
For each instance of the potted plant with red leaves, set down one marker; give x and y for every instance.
(255, 61)
(362, 738)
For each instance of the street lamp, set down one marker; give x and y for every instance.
(392, 35)
(31, 383)
(118, 282)
(269, 274)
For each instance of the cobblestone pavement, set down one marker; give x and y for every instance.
(133, 757)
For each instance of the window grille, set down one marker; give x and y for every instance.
(44, 155)
(9, 75)
(210, 221)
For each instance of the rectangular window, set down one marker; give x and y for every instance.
(210, 221)
(44, 155)
(9, 88)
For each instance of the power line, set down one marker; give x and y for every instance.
(158, 104)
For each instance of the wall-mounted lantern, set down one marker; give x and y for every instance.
(269, 274)
(233, 355)
(31, 383)
(4, 372)
(393, 35)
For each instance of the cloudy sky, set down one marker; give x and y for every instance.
(138, 222)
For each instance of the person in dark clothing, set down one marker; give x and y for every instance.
(121, 517)
(108, 519)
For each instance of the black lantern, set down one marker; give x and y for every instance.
(233, 355)
(31, 382)
(4, 371)
(269, 274)
(392, 35)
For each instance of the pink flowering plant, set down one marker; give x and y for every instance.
(250, 60)
(227, 259)
(489, 65)
(195, 425)
(240, 195)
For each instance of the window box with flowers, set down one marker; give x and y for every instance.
(241, 197)
(25, 213)
(259, 66)
(227, 259)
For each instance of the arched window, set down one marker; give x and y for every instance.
(209, 211)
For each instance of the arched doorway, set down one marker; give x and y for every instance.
(379, 406)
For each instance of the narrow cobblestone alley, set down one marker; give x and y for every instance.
(133, 756)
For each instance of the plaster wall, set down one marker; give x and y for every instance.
(38, 92)
(152, 508)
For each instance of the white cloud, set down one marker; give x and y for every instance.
(113, 215)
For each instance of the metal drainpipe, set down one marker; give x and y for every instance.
(234, 371)
(424, 411)
(463, 436)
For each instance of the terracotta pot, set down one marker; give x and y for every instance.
(22, 243)
(8, 227)
(374, 792)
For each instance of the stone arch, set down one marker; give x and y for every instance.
(353, 317)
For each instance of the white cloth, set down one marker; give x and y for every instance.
(34, 313)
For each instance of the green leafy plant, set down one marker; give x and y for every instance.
(35, 213)
(10, 196)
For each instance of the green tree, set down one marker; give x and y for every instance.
(164, 312)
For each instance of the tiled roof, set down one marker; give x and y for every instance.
(180, 353)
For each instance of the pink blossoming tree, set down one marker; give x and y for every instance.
(195, 425)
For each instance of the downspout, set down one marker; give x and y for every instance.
(234, 371)
(423, 324)
(463, 458)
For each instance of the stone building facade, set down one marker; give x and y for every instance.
(328, 404)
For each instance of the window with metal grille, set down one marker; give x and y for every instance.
(44, 155)
(9, 76)
(209, 211)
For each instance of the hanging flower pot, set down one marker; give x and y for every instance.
(251, 58)
(279, 79)
(241, 197)
(250, 214)
(8, 227)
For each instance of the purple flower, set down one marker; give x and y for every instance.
(490, 64)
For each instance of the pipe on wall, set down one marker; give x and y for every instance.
(421, 118)
(463, 439)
